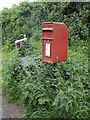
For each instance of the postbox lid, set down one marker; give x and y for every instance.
(53, 23)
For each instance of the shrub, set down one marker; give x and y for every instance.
(12, 74)
(27, 18)
(50, 91)
(45, 90)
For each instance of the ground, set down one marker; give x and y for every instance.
(7, 110)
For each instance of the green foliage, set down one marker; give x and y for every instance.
(12, 74)
(27, 18)
(49, 91)
(42, 89)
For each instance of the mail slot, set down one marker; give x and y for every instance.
(54, 42)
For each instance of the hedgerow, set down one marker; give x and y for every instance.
(27, 18)
(42, 89)
(49, 91)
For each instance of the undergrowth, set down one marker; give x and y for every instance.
(49, 91)
(42, 89)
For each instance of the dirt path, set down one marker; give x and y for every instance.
(10, 110)
(7, 110)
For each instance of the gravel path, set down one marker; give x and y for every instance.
(10, 110)
(7, 110)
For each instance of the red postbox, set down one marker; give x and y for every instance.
(54, 42)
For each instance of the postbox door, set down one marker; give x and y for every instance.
(47, 37)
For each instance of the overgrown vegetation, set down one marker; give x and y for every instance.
(45, 90)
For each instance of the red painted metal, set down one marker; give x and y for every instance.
(17, 45)
(54, 42)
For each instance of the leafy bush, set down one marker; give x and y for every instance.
(27, 18)
(42, 89)
(50, 91)
(12, 74)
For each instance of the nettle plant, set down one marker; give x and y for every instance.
(49, 91)
(45, 90)
(12, 74)
(53, 92)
